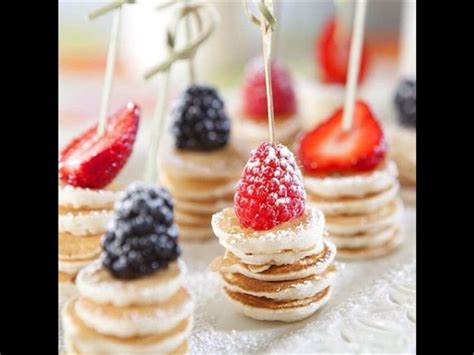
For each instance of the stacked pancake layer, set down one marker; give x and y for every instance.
(283, 274)
(403, 152)
(363, 212)
(151, 314)
(201, 184)
(250, 133)
(83, 217)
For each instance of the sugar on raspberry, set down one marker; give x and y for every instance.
(270, 190)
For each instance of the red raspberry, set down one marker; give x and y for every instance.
(270, 190)
(254, 92)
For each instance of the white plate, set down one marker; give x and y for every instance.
(372, 308)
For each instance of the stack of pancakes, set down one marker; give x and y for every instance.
(83, 217)
(284, 274)
(250, 132)
(403, 152)
(151, 314)
(363, 212)
(201, 184)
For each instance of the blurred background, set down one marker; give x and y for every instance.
(220, 61)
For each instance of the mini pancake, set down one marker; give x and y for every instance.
(191, 233)
(256, 131)
(136, 320)
(72, 267)
(283, 257)
(408, 195)
(352, 205)
(364, 240)
(208, 206)
(84, 223)
(310, 265)
(66, 291)
(407, 177)
(73, 247)
(334, 187)
(192, 219)
(262, 308)
(97, 284)
(250, 133)
(198, 188)
(71, 348)
(81, 210)
(371, 252)
(226, 162)
(279, 290)
(403, 151)
(370, 223)
(301, 233)
(64, 277)
(88, 340)
(77, 197)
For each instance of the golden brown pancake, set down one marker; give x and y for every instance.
(78, 247)
(263, 302)
(302, 264)
(385, 211)
(83, 210)
(374, 251)
(316, 198)
(63, 277)
(82, 330)
(110, 310)
(254, 285)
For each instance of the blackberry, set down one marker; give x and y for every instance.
(199, 120)
(142, 237)
(405, 102)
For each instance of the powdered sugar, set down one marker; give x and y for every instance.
(353, 185)
(298, 234)
(372, 309)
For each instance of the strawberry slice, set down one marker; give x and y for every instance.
(328, 149)
(92, 162)
(333, 57)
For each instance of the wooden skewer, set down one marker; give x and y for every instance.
(354, 63)
(267, 49)
(109, 72)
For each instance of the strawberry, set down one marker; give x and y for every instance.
(270, 190)
(254, 91)
(328, 149)
(93, 162)
(333, 58)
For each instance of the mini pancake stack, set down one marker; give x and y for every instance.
(249, 112)
(201, 184)
(363, 212)
(83, 217)
(250, 132)
(285, 273)
(403, 152)
(150, 314)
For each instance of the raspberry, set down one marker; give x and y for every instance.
(254, 91)
(270, 190)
